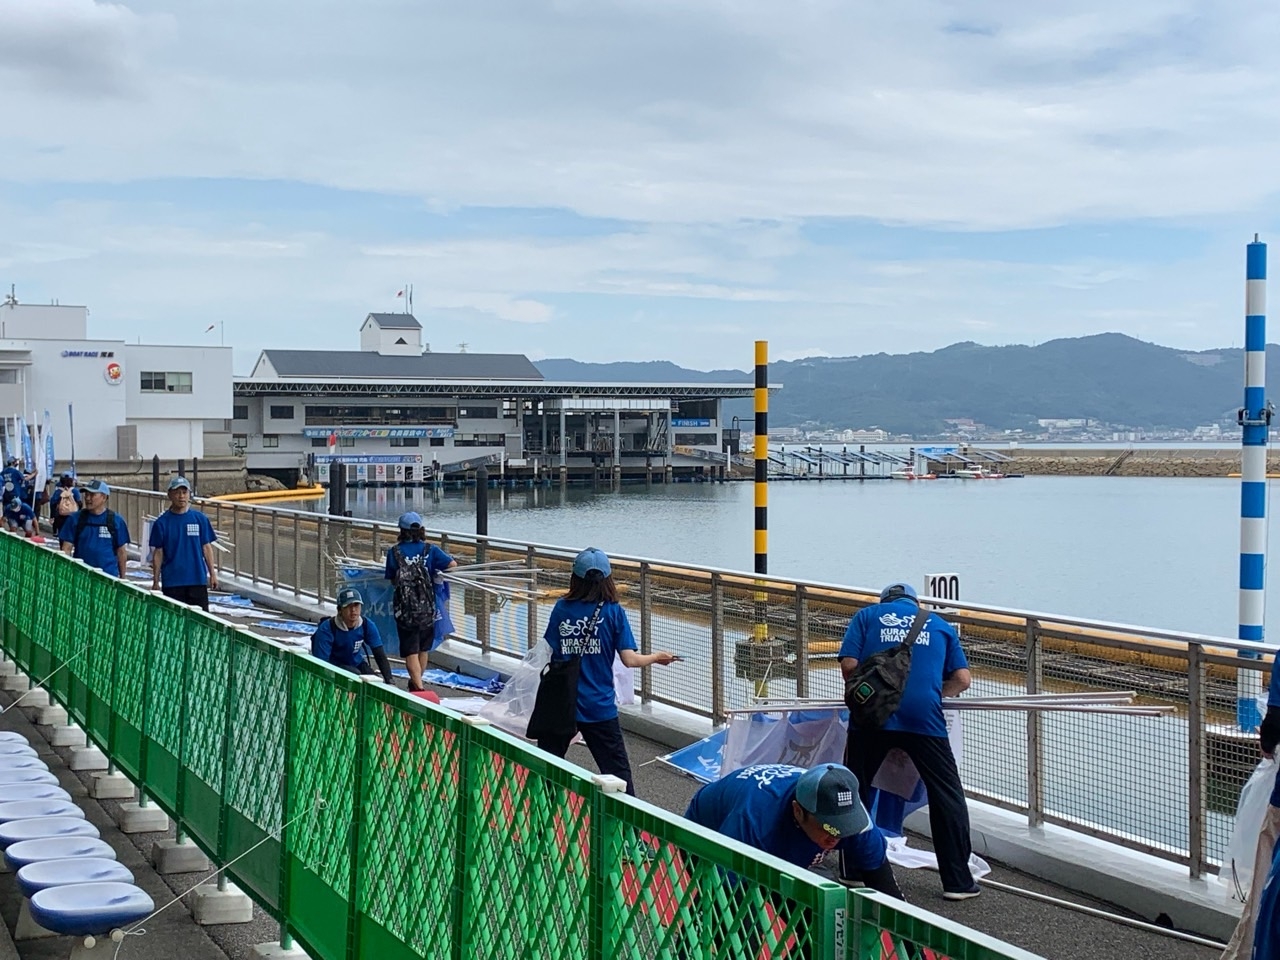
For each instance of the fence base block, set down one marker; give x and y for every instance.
(273, 951)
(66, 735)
(28, 929)
(16, 682)
(8, 668)
(34, 701)
(170, 856)
(139, 819)
(87, 758)
(54, 715)
(209, 905)
(111, 786)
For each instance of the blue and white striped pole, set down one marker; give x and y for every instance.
(1255, 422)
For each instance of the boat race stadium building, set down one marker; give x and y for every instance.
(395, 413)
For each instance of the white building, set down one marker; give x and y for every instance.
(127, 400)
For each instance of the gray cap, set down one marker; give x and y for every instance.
(177, 483)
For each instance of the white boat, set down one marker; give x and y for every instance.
(978, 473)
(905, 474)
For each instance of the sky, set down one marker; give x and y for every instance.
(640, 179)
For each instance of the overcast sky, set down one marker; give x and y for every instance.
(640, 179)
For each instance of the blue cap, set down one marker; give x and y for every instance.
(896, 591)
(97, 486)
(68, 475)
(410, 520)
(178, 483)
(347, 596)
(15, 505)
(829, 793)
(590, 559)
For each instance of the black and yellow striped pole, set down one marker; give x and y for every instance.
(760, 633)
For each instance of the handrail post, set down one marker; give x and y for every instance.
(802, 640)
(482, 605)
(531, 605)
(253, 543)
(297, 555)
(1195, 760)
(275, 551)
(322, 540)
(717, 649)
(1035, 741)
(646, 631)
(235, 543)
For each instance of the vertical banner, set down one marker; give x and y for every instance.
(28, 458)
(71, 423)
(50, 464)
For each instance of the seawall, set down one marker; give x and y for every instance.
(1125, 462)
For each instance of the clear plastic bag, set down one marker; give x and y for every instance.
(510, 710)
(1238, 860)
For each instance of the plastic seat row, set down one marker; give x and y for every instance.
(69, 875)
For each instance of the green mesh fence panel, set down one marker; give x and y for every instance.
(80, 640)
(885, 929)
(43, 599)
(255, 765)
(409, 843)
(206, 744)
(528, 853)
(673, 890)
(324, 729)
(133, 630)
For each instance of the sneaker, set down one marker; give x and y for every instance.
(962, 894)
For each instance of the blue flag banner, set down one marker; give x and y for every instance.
(48, 446)
(28, 458)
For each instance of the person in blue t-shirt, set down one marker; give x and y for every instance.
(182, 541)
(11, 477)
(799, 816)
(589, 623)
(938, 669)
(418, 634)
(19, 516)
(349, 639)
(96, 535)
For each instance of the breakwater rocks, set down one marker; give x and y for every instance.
(1124, 462)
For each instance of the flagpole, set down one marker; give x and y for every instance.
(71, 422)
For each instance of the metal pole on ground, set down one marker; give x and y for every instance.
(1255, 422)
(760, 631)
(482, 501)
(155, 473)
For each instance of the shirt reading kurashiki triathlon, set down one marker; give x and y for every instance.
(569, 633)
(182, 537)
(935, 656)
(753, 805)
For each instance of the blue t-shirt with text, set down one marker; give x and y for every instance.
(570, 633)
(935, 656)
(345, 648)
(94, 543)
(12, 479)
(753, 806)
(182, 537)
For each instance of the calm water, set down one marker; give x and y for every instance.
(1157, 552)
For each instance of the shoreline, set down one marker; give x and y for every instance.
(1130, 462)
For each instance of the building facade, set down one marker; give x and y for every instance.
(395, 412)
(117, 400)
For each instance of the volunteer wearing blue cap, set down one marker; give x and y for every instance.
(797, 815)
(938, 669)
(182, 541)
(349, 639)
(412, 567)
(20, 516)
(95, 534)
(590, 624)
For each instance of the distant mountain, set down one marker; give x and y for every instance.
(1109, 377)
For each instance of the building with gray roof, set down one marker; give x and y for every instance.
(396, 412)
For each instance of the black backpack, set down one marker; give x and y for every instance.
(413, 604)
(874, 691)
(109, 520)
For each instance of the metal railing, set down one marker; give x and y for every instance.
(1167, 786)
(371, 824)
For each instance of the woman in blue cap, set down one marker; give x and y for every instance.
(412, 567)
(590, 624)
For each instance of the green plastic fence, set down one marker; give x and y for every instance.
(371, 824)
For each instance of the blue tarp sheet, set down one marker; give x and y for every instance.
(458, 681)
(699, 760)
(377, 593)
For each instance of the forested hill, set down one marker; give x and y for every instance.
(1109, 377)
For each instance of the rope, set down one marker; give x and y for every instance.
(40, 684)
(137, 930)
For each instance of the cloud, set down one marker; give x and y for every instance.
(79, 48)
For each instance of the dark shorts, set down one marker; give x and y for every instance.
(414, 639)
(192, 596)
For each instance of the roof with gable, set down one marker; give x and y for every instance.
(394, 321)
(368, 365)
